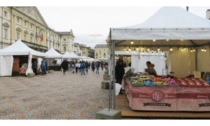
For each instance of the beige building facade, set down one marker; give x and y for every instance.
(101, 52)
(77, 49)
(83, 50)
(27, 24)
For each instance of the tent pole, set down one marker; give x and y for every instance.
(2, 31)
(110, 83)
(196, 59)
(113, 74)
(29, 69)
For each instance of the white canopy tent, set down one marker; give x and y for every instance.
(172, 23)
(83, 57)
(65, 55)
(70, 55)
(52, 53)
(138, 60)
(88, 59)
(168, 27)
(17, 48)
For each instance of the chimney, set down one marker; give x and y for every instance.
(187, 8)
(208, 14)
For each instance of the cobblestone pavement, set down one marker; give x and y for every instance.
(52, 96)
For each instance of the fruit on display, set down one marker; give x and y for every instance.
(146, 80)
(152, 81)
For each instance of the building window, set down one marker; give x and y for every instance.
(25, 36)
(18, 35)
(64, 39)
(5, 13)
(31, 39)
(96, 54)
(25, 23)
(64, 48)
(104, 55)
(5, 33)
(18, 20)
(31, 26)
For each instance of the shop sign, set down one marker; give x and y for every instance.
(204, 105)
(157, 96)
(157, 104)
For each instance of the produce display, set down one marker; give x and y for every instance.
(147, 80)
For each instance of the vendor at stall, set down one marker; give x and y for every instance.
(150, 68)
(119, 70)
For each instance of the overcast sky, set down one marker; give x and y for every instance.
(91, 20)
(91, 25)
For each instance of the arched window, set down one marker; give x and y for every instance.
(64, 48)
(5, 33)
(18, 35)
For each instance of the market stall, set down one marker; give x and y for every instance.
(185, 37)
(167, 94)
(52, 56)
(17, 59)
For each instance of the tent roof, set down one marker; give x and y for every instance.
(52, 53)
(19, 48)
(172, 23)
(173, 17)
(71, 55)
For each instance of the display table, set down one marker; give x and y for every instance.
(168, 98)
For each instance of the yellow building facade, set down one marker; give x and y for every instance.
(27, 24)
(101, 52)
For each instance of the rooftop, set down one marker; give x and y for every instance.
(101, 46)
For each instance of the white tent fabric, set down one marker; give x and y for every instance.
(126, 53)
(71, 55)
(19, 48)
(168, 23)
(89, 59)
(6, 64)
(139, 59)
(139, 62)
(83, 57)
(65, 55)
(52, 53)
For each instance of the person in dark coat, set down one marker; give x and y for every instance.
(64, 66)
(34, 67)
(44, 66)
(150, 68)
(119, 70)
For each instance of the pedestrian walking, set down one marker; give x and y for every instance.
(73, 67)
(97, 67)
(82, 68)
(34, 67)
(86, 67)
(64, 66)
(93, 66)
(77, 66)
(44, 66)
